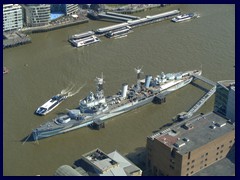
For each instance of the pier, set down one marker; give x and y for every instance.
(130, 23)
(113, 17)
(13, 39)
(123, 15)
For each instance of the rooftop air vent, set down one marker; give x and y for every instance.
(212, 127)
(186, 139)
(220, 124)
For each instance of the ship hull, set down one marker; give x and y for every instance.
(108, 114)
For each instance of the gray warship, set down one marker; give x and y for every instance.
(97, 107)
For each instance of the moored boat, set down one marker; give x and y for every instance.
(84, 41)
(97, 107)
(185, 17)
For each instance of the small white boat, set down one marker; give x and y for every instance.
(5, 70)
(185, 17)
(51, 104)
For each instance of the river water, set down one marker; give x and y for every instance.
(50, 64)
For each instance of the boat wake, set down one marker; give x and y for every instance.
(75, 92)
(68, 89)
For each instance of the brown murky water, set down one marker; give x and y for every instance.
(53, 64)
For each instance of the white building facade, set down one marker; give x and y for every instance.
(12, 17)
(37, 14)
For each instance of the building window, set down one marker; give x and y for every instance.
(202, 156)
(188, 163)
(206, 159)
(189, 155)
(187, 174)
(216, 159)
(217, 148)
(187, 169)
(221, 151)
(217, 153)
(205, 164)
(201, 162)
(192, 166)
(206, 154)
(230, 141)
(222, 146)
(230, 147)
(191, 172)
(193, 161)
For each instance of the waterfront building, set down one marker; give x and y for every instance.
(72, 9)
(225, 99)
(98, 163)
(12, 17)
(190, 146)
(37, 14)
(66, 9)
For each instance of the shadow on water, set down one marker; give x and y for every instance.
(85, 166)
(199, 87)
(61, 114)
(28, 138)
(139, 157)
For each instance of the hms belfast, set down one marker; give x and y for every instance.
(97, 107)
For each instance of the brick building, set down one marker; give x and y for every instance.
(190, 146)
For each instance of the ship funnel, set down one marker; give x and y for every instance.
(147, 81)
(124, 90)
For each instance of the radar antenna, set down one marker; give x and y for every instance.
(99, 82)
(139, 72)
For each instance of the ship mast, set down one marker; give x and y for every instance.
(99, 85)
(138, 71)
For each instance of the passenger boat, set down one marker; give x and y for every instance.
(185, 17)
(51, 104)
(119, 32)
(84, 41)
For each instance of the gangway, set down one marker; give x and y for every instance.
(201, 101)
(204, 79)
(199, 104)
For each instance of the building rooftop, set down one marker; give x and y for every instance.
(100, 160)
(184, 136)
(66, 170)
(113, 164)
